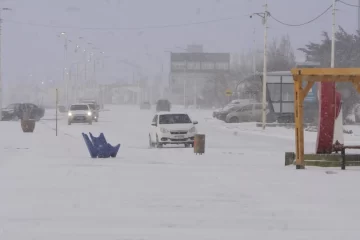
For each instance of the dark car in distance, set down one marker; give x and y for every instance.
(163, 105)
(16, 111)
(145, 105)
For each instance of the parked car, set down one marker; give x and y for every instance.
(248, 113)
(237, 102)
(216, 112)
(15, 111)
(80, 113)
(11, 112)
(172, 128)
(145, 105)
(163, 105)
(226, 110)
(242, 101)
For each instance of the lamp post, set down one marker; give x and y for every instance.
(64, 69)
(1, 84)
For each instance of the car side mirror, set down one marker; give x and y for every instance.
(195, 122)
(153, 124)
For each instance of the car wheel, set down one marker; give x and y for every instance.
(151, 144)
(187, 145)
(69, 123)
(158, 145)
(96, 119)
(234, 120)
(90, 123)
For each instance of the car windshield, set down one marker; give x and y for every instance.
(11, 106)
(163, 103)
(232, 108)
(174, 119)
(79, 107)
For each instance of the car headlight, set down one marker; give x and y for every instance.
(192, 130)
(164, 130)
(89, 113)
(70, 114)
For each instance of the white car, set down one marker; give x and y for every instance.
(80, 113)
(172, 128)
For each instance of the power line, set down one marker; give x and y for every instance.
(121, 28)
(348, 4)
(302, 24)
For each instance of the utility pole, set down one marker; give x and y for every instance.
(69, 78)
(94, 71)
(1, 84)
(264, 15)
(195, 97)
(254, 56)
(185, 66)
(77, 82)
(64, 70)
(264, 100)
(57, 107)
(333, 34)
(359, 15)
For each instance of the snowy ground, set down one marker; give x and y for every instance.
(50, 189)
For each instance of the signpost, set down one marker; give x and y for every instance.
(312, 95)
(228, 93)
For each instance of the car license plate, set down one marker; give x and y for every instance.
(179, 136)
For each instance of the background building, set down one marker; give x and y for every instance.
(190, 71)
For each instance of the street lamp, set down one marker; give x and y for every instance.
(1, 85)
(64, 68)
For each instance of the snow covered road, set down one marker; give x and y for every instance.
(51, 189)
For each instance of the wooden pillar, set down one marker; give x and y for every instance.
(299, 126)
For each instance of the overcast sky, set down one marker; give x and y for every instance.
(30, 49)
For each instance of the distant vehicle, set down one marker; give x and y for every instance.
(90, 101)
(145, 105)
(94, 106)
(163, 105)
(357, 113)
(94, 111)
(62, 108)
(15, 111)
(80, 113)
(249, 113)
(172, 128)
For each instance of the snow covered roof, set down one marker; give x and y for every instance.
(170, 113)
